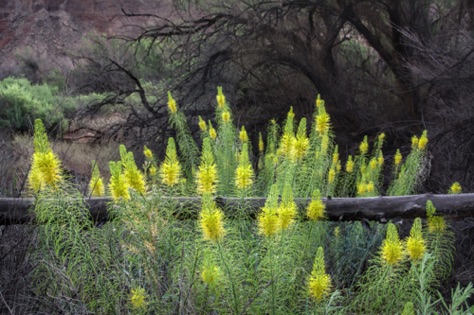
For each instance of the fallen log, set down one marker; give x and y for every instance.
(382, 209)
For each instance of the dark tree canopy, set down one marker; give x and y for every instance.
(393, 66)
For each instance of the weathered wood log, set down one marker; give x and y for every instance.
(382, 209)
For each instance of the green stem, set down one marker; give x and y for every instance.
(232, 284)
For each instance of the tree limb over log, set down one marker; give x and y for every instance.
(382, 209)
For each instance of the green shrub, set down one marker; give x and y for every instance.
(21, 103)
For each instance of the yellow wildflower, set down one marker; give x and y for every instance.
(171, 169)
(244, 176)
(322, 123)
(415, 243)
(423, 141)
(373, 163)
(392, 249)
(380, 159)
(455, 188)
(152, 170)
(45, 171)
(212, 132)
(226, 116)
(398, 157)
(170, 173)
(206, 179)
(414, 142)
(118, 185)
(287, 209)
(147, 152)
(337, 231)
(319, 101)
(300, 147)
(364, 146)
(331, 175)
(335, 156)
(96, 184)
(172, 106)
(436, 224)
(210, 275)
(202, 124)
(220, 97)
(286, 144)
(268, 222)
(206, 176)
(138, 297)
(370, 187)
(211, 220)
(316, 208)
(349, 164)
(319, 284)
(243, 135)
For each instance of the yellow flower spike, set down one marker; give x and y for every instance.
(207, 179)
(415, 244)
(370, 187)
(380, 159)
(361, 189)
(268, 223)
(96, 184)
(243, 136)
(172, 106)
(316, 208)
(202, 124)
(210, 275)
(423, 141)
(134, 178)
(138, 298)
(338, 166)
(337, 232)
(226, 116)
(287, 210)
(364, 146)
(398, 158)
(335, 155)
(152, 170)
(414, 142)
(171, 169)
(244, 176)
(244, 173)
(261, 145)
(373, 164)
(45, 165)
(322, 123)
(319, 101)
(392, 249)
(436, 224)
(381, 138)
(118, 185)
(349, 164)
(211, 219)
(319, 284)
(220, 97)
(212, 132)
(455, 189)
(331, 175)
(147, 152)
(49, 167)
(287, 142)
(206, 176)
